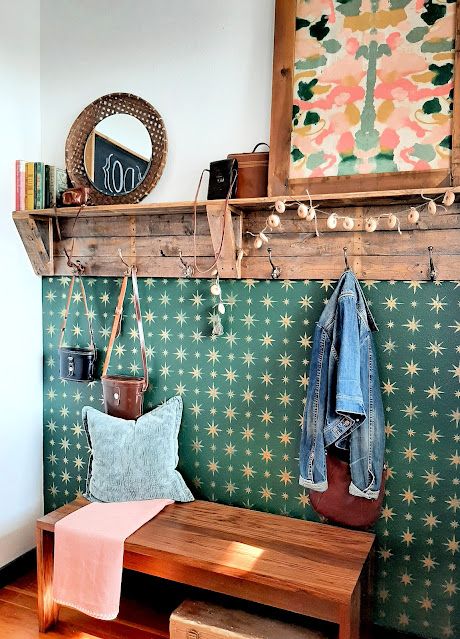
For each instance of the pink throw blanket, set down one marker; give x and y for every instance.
(88, 554)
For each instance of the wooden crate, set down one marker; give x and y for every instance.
(200, 620)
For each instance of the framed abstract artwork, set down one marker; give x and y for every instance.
(363, 96)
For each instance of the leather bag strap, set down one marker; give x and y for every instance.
(67, 308)
(66, 313)
(116, 323)
(140, 328)
(88, 317)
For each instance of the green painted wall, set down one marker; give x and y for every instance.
(244, 394)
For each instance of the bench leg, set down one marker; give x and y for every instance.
(367, 597)
(48, 610)
(350, 617)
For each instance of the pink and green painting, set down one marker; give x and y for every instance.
(373, 86)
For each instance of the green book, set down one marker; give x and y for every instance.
(62, 185)
(50, 186)
(39, 190)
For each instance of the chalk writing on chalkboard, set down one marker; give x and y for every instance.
(116, 169)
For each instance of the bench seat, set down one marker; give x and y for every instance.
(304, 567)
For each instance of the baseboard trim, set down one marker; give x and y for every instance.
(18, 567)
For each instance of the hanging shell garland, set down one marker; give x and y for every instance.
(332, 221)
(370, 224)
(392, 221)
(273, 221)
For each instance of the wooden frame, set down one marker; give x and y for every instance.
(83, 127)
(279, 182)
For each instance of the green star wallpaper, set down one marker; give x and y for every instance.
(244, 394)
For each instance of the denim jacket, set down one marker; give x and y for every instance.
(344, 403)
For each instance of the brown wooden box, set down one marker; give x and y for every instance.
(252, 174)
(200, 620)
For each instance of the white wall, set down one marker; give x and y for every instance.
(20, 315)
(204, 64)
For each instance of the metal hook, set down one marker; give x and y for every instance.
(345, 257)
(433, 273)
(128, 267)
(187, 269)
(76, 265)
(276, 271)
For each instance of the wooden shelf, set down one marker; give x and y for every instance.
(152, 234)
(330, 200)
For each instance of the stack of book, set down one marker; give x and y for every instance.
(39, 185)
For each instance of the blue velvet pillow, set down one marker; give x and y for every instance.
(135, 460)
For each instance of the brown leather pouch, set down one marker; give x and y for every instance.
(252, 173)
(336, 503)
(124, 395)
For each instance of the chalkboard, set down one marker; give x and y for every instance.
(116, 170)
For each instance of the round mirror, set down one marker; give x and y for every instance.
(117, 149)
(118, 153)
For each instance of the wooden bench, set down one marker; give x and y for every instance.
(313, 569)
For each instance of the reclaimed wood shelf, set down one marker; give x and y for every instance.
(153, 234)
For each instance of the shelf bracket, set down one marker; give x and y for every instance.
(40, 255)
(220, 221)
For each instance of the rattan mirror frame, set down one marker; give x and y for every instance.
(98, 110)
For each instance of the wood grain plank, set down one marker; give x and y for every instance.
(206, 537)
(370, 182)
(160, 246)
(330, 199)
(48, 610)
(294, 565)
(291, 223)
(410, 267)
(282, 83)
(146, 226)
(223, 239)
(455, 158)
(34, 245)
(385, 243)
(111, 266)
(20, 622)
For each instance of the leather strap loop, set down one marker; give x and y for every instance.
(67, 308)
(140, 328)
(117, 321)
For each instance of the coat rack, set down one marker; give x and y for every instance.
(159, 237)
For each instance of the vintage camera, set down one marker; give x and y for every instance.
(76, 197)
(222, 179)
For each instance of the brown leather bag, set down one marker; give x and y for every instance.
(124, 395)
(252, 173)
(336, 503)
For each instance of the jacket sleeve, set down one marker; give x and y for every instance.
(349, 398)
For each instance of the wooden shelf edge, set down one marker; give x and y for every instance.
(248, 204)
(155, 241)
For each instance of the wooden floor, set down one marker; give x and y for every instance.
(138, 618)
(145, 608)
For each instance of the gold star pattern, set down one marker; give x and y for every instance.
(244, 397)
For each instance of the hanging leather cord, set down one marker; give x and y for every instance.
(67, 308)
(219, 252)
(76, 265)
(140, 328)
(116, 323)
